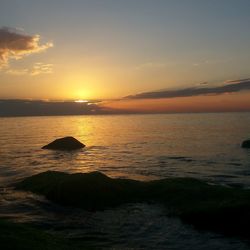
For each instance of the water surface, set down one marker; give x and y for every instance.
(144, 147)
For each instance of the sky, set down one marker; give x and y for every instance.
(133, 55)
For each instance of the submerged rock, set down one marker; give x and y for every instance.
(65, 143)
(245, 144)
(206, 206)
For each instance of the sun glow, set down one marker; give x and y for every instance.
(81, 101)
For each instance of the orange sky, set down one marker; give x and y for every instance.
(106, 50)
(224, 102)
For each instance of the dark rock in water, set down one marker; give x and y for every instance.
(92, 191)
(205, 206)
(65, 143)
(245, 144)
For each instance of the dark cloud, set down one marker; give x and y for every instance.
(40, 108)
(238, 81)
(230, 87)
(14, 44)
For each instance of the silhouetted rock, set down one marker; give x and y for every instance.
(245, 144)
(214, 207)
(65, 143)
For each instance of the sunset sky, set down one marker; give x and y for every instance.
(133, 55)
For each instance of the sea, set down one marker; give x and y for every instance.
(205, 146)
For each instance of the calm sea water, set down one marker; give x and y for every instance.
(144, 147)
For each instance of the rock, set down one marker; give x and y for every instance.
(245, 144)
(65, 143)
(91, 191)
(218, 208)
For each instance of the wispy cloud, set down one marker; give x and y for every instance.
(36, 69)
(17, 72)
(230, 86)
(14, 44)
(210, 62)
(41, 68)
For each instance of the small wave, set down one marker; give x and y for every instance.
(223, 176)
(234, 164)
(164, 159)
(96, 147)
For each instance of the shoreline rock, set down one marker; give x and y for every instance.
(245, 144)
(66, 143)
(212, 207)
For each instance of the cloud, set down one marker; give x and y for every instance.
(238, 81)
(17, 72)
(37, 69)
(210, 62)
(41, 108)
(228, 87)
(41, 68)
(15, 45)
